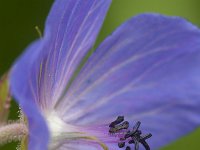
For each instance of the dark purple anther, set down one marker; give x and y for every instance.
(145, 144)
(124, 125)
(121, 144)
(136, 127)
(119, 127)
(135, 136)
(117, 121)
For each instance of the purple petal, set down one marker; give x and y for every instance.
(147, 70)
(88, 140)
(41, 74)
(21, 89)
(74, 25)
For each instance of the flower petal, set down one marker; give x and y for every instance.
(74, 25)
(41, 74)
(71, 29)
(21, 89)
(83, 140)
(147, 70)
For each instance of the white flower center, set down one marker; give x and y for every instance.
(60, 132)
(56, 127)
(55, 124)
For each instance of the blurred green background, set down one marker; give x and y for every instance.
(18, 19)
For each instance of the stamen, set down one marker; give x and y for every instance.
(137, 125)
(144, 143)
(133, 137)
(117, 121)
(136, 142)
(119, 127)
(121, 144)
(76, 136)
(92, 138)
(147, 136)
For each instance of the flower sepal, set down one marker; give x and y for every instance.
(4, 99)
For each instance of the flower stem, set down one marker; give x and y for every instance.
(12, 132)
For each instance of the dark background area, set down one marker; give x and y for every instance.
(18, 19)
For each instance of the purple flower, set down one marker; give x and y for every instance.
(147, 70)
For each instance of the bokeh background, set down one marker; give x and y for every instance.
(18, 19)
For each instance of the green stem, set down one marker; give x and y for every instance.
(12, 132)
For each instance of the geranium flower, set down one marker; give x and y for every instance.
(147, 70)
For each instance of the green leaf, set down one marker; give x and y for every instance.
(4, 98)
